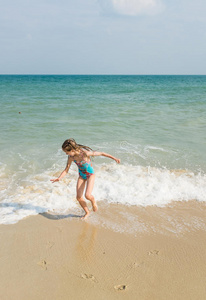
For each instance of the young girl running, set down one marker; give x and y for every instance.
(80, 154)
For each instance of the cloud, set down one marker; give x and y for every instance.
(132, 7)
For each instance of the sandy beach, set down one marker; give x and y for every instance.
(61, 257)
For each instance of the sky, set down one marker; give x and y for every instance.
(103, 37)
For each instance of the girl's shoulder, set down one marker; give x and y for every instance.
(86, 155)
(70, 159)
(84, 152)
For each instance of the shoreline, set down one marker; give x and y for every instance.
(43, 257)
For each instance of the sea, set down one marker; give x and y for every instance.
(156, 125)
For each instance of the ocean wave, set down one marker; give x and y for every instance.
(125, 184)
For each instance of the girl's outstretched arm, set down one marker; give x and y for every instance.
(95, 153)
(66, 170)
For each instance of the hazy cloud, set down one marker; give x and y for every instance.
(132, 7)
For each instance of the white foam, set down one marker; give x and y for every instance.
(135, 185)
(31, 194)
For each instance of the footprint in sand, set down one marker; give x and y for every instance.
(43, 264)
(59, 229)
(89, 276)
(153, 252)
(50, 245)
(121, 287)
(137, 264)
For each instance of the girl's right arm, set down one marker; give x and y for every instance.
(66, 170)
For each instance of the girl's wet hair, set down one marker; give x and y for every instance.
(71, 144)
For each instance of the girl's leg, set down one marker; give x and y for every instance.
(88, 193)
(80, 190)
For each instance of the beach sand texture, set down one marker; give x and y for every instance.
(56, 257)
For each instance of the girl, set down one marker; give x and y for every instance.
(80, 154)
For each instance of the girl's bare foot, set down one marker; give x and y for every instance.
(94, 206)
(85, 216)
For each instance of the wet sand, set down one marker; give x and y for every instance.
(62, 257)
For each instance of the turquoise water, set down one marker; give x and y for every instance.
(155, 124)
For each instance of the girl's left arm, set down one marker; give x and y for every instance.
(95, 153)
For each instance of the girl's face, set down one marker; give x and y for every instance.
(70, 153)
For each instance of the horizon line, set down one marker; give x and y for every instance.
(59, 74)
